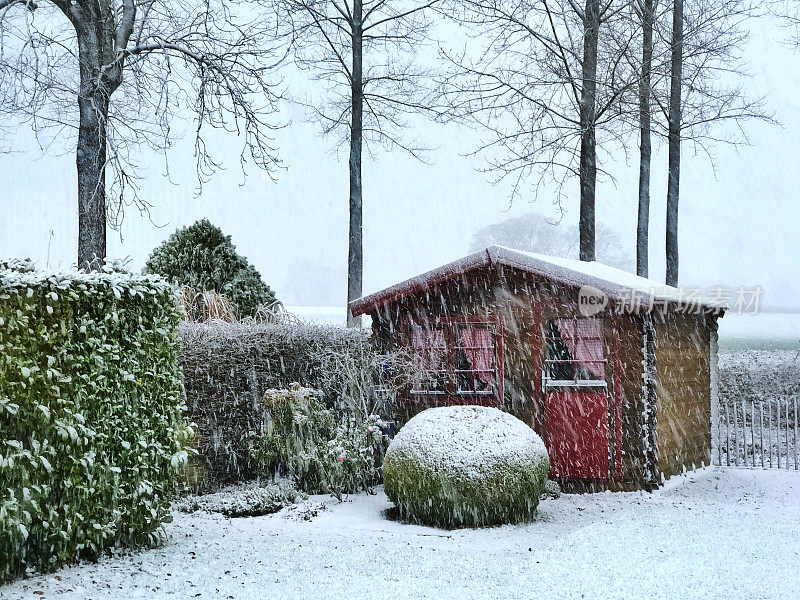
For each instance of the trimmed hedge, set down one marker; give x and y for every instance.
(91, 427)
(227, 368)
(465, 466)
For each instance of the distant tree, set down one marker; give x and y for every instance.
(364, 52)
(113, 75)
(533, 233)
(200, 256)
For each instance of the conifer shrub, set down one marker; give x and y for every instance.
(465, 466)
(91, 429)
(203, 258)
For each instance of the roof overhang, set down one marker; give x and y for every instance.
(617, 284)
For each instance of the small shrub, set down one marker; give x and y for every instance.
(91, 427)
(303, 441)
(206, 307)
(465, 466)
(551, 490)
(203, 258)
(244, 501)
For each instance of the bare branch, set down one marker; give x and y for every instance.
(125, 28)
(135, 67)
(28, 4)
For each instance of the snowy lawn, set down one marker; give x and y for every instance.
(724, 534)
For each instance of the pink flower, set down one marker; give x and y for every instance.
(341, 457)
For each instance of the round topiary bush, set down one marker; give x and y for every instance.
(465, 466)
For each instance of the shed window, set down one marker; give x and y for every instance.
(430, 357)
(460, 360)
(575, 352)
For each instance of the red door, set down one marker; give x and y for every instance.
(577, 434)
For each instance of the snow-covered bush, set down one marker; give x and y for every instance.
(248, 500)
(21, 265)
(747, 375)
(551, 489)
(470, 466)
(91, 427)
(227, 368)
(303, 440)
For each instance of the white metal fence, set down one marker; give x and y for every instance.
(758, 433)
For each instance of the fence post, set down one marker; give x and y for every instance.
(744, 432)
(786, 421)
(794, 406)
(770, 423)
(778, 433)
(735, 434)
(716, 421)
(761, 431)
(753, 432)
(727, 435)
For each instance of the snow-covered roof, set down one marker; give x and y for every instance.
(615, 282)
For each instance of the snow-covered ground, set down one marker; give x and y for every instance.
(727, 534)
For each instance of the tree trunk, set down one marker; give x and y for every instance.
(645, 147)
(90, 156)
(588, 159)
(355, 260)
(90, 162)
(673, 183)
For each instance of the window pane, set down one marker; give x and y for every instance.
(430, 353)
(475, 368)
(459, 360)
(575, 349)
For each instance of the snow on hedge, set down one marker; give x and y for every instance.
(91, 427)
(465, 466)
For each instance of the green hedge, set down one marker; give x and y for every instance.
(91, 427)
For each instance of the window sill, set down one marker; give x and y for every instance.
(588, 383)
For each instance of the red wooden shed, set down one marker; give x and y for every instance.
(615, 372)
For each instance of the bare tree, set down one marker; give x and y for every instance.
(674, 141)
(545, 82)
(646, 12)
(364, 51)
(111, 75)
(699, 95)
(691, 67)
(788, 14)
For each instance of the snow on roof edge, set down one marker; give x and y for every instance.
(615, 282)
(420, 282)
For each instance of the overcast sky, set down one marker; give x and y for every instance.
(739, 224)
